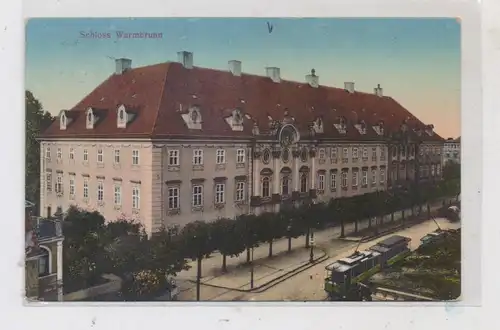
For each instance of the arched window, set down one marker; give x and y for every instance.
(285, 185)
(44, 266)
(303, 183)
(266, 192)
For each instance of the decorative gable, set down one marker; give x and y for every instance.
(379, 128)
(361, 127)
(193, 118)
(341, 125)
(429, 129)
(90, 118)
(318, 126)
(235, 120)
(123, 116)
(63, 120)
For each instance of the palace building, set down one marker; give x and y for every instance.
(172, 143)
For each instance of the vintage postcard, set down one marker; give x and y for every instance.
(243, 159)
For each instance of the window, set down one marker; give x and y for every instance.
(71, 153)
(220, 156)
(433, 169)
(321, 153)
(355, 178)
(44, 263)
(382, 175)
(266, 191)
(285, 185)
(333, 181)
(365, 152)
(135, 157)
(59, 153)
(85, 155)
(382, 153)
(394, 151)
(136, 197)
(197, 195)
(173, 157)
(220, 189)
(303, 155)
(354, 152)
(374, 176)
(266, 156)
(59, 184)
(345, 153)
(197, 157)
(403, 151)
(344, 179)
(364, 178)
(49, 182)
(240, 156)
(321, 182)
(118, 195)
(72, 185)
(374, 153)
(85, 188)
(117, 156)
(99, 156)
(47, 153)
(438, 169)
(100, 191)
(303, 183)
(240, 191)
(285, 155)
(333, 153)
(173, 198)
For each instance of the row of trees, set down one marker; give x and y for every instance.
(93, 247)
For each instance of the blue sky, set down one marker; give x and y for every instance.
(417, 61)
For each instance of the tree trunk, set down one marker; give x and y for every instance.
(381, 220)
(356, 226)
(198, 278)
(224, 267)
(369, 222)
(270, 248)
(342, 229)
(428, 211)
(248, 255)
(392, 217)
(307, 236)
(403, 215)
(289, 243)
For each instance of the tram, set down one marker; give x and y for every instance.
(345, 274)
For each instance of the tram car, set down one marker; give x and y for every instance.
(345, 273)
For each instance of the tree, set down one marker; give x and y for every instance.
(336, 207)
(248, 226)
(37, 121)
(294, 228)
(197, 244)
(272, 227)
(229, 242)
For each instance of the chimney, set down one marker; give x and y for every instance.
(349, 86)
(122, 65)
(273, 73)
(312, 79)
(186, 59)
(235, 67)
(378, 91)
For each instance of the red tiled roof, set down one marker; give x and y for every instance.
(156, 94)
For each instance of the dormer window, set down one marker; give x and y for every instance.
(255, 129)
(318, 126)
(429, 129)
(193, 118)
(341, 126)
(122, 117)
(361, 127)
(90, 118)
(63, 120)
(235, 120)
(379, 128)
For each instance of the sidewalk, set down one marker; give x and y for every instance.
(265, 269)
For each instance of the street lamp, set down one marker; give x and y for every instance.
(251, 269)
(311, 254)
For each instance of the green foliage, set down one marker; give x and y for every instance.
(197, 240)
(37, 121)
(229, 239)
